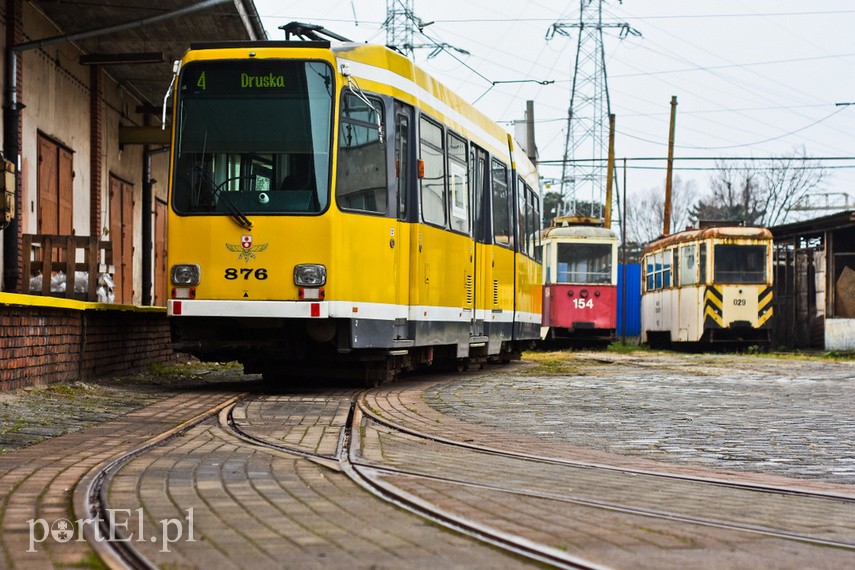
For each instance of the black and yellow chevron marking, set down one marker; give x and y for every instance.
(764, 306)
(713, 303)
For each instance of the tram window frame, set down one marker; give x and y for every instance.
(522, 216)
(666, 267)
(293, 123)
(740, 263)
(657, 272)
(368, 194)
(480, 182)
(532, 228)
(689, 274)
(402, 161)
(501, 205)
(437, 157)
(459, 213)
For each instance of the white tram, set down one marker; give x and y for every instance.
(712, 285)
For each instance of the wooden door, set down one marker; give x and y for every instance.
(55, 191)
(48, 195)
(122, 238)
(159, 253)
(65, 198)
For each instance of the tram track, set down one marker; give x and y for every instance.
(91, 498)
(407, 484)
(773, 491)
(375, 477)
(744, 485)
(362, 474)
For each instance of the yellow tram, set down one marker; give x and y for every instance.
(711, 285)
(335, 206)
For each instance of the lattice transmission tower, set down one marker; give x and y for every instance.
(584, 168)
(400, 26)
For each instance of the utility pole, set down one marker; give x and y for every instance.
(666, 218)
(607, 216)
(585, 143)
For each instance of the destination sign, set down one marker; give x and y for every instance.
(271, 77)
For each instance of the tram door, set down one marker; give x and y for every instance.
(404, 176)
(481, 233)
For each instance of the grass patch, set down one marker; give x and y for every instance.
(833, 355)
(556, 363)
(191, 369)
(91, 561)
(627, 347)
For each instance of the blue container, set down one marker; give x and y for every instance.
(632, 295)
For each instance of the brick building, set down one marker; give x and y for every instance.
(83, 89)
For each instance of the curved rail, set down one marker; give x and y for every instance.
(90, 498)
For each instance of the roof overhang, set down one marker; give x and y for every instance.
(815, 226)
(136, 44)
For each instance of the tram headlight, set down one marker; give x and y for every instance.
(310, 275)
(186, 274)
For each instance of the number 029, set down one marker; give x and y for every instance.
(245, 273)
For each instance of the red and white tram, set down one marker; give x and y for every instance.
(580, 281)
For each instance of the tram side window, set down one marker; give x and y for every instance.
(658, 270)
(522, 215)
(739, 263)
(361, 175)
(689, 265)
(458, 184)
(666, 267)
(502, 231)
(584, 263)
(402, 161)
(433, 181)
(533, 227)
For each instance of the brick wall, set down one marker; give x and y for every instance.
(40, 345)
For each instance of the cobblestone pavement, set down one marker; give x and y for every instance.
(787, 417)
(769, 419)
(257, 508)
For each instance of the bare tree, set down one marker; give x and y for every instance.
(645, 213)
(760, 193)
(734, 196)
(789, 181)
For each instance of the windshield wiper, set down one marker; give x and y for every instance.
(235, 213)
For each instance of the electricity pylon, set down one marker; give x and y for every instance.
(583, 171)
(399, 26)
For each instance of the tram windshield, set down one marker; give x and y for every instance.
(253, 137)
(739, 263)
(589, 263)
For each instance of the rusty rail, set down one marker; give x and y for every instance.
(47, 255)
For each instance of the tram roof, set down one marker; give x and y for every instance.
(580, 232)
(733, 232)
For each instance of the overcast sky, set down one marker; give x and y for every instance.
(753, 78)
